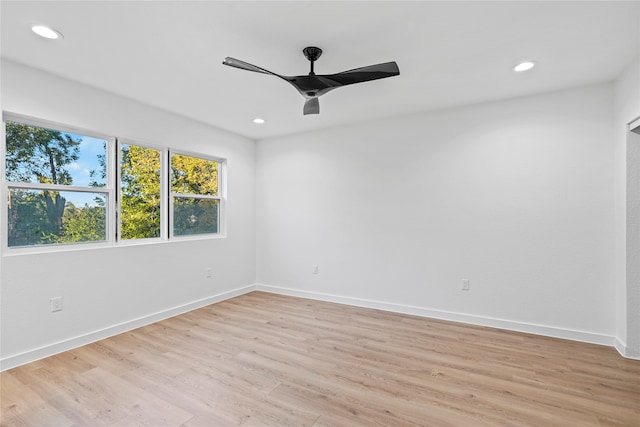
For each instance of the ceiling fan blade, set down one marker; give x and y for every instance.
(364, 74)
(311, 106)
(232, 62)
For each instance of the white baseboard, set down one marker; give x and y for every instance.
(626, 351)
(15, 360)
(530, 328)
(621, 347)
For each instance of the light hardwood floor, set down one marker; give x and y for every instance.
(270, 360)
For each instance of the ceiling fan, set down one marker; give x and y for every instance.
(314, 85)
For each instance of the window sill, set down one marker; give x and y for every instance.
(39, 250)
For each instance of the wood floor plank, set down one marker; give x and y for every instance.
(27, 408)
(266, 360)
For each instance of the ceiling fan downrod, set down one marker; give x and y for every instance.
(312, 53)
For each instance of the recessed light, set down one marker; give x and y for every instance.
(258, 121)
(524, 66)
(46, 32)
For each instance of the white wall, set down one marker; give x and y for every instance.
(516, 196)
(113, 289)
(627, 203)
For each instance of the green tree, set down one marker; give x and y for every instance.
(193, 175)
(26, 215)
(194, 216)
(38, 155)
(140, 192)
(83, 224)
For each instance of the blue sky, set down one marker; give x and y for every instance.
(89, 150)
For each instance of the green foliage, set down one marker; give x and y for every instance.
(83, 224)
(140, 192)
(36, 154)
(192, 175)
(29, 223)
(27, 218)
(194, 216)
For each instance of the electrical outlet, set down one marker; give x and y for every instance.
(466, 285)
(314, 270)
(208, 274)
(56, 304)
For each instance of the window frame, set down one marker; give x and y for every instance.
(108, 190)
(221, 197)
(111, 190)
(163, 192)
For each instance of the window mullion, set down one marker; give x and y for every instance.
(4, 191)
(166, 203)
(195, 196)
(112, 182)
(58, 187)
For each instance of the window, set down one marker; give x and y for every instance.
(194, 195)
(140, 192)
(56, 186)
(65, 186)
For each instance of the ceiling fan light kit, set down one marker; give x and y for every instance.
(312, 85)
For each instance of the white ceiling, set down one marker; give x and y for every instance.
(169, 54)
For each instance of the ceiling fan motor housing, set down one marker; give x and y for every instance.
(312, 53)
